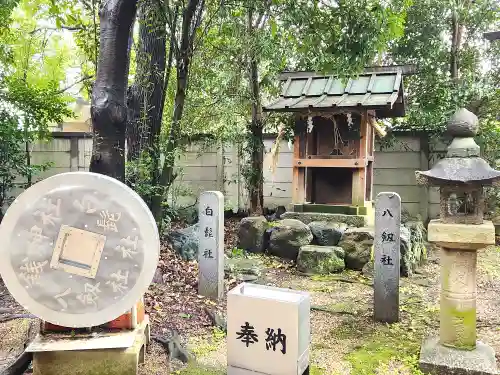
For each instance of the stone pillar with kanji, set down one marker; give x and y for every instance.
(460, 232)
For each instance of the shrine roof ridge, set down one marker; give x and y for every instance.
(380, 90)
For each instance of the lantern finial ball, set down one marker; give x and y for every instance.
(463, 124)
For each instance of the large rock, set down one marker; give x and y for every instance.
(406, 264)
(357, 244)
(327, 233)
(320, 260)
(185, 241)
(243, 269)
(288, 237)
(251, 233)
(188, 214)
(413, 250)
(309, 217)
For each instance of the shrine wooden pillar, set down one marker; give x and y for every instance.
(360, 177)
(298, 180)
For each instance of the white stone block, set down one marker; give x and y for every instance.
(268, 330)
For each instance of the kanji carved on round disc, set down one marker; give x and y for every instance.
(78, 249)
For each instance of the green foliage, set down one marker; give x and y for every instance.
(434, 94)
(338, 37)
(139, 176)
(13, 161)
(344, 36)
(82, 19)
(238, 253)
(30, 97)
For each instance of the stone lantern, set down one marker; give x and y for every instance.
(460, 231)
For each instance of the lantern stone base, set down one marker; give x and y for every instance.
(461, 236)
(436, 359)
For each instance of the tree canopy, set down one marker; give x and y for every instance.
(207, 66)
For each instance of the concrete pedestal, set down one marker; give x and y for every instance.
(436, 359)
(89, 360)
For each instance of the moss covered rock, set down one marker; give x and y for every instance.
(243, 269)
(287, 237)
(327, 233)
(320, 260)
(413, 250)
(251, 233)
(357, 244)
(185, 241)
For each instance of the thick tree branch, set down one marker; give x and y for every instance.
(83, 79)
(108, 110)
(69, 28)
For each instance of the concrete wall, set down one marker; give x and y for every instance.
(66, 152)
(219, 167)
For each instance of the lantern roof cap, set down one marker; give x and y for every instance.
(463, 123)
(462, 164)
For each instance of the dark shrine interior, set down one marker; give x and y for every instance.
(332, 138)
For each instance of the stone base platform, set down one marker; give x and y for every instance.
(91, 357)
(436, 359)
(461, 236)
(308, 217)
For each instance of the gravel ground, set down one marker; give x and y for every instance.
(350, 326)
(339, 335)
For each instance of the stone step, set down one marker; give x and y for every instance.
(308, 217)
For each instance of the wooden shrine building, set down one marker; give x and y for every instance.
(335, 126)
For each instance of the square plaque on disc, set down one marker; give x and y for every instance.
(78, 251)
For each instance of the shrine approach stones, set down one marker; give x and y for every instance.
(357, 244)
(251, 233)
(320, 260)
(287, 238)
(327, 233)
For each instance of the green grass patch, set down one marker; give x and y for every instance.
(205, 345)
(390, 349)
(352, 328)
(394, 344)
(315, 370)
(196, 369)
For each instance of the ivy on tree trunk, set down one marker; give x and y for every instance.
(192, 15)
(255, 178)
(147, 94)
(108, 109)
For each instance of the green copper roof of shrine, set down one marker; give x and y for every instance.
(306, 91)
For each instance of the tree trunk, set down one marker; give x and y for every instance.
(256, 142)
(191, 18)
(146, 96)
(457, 31)
(108, 110)
(454, 46)
(133, 131)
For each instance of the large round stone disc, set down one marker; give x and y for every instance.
(78, 249)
